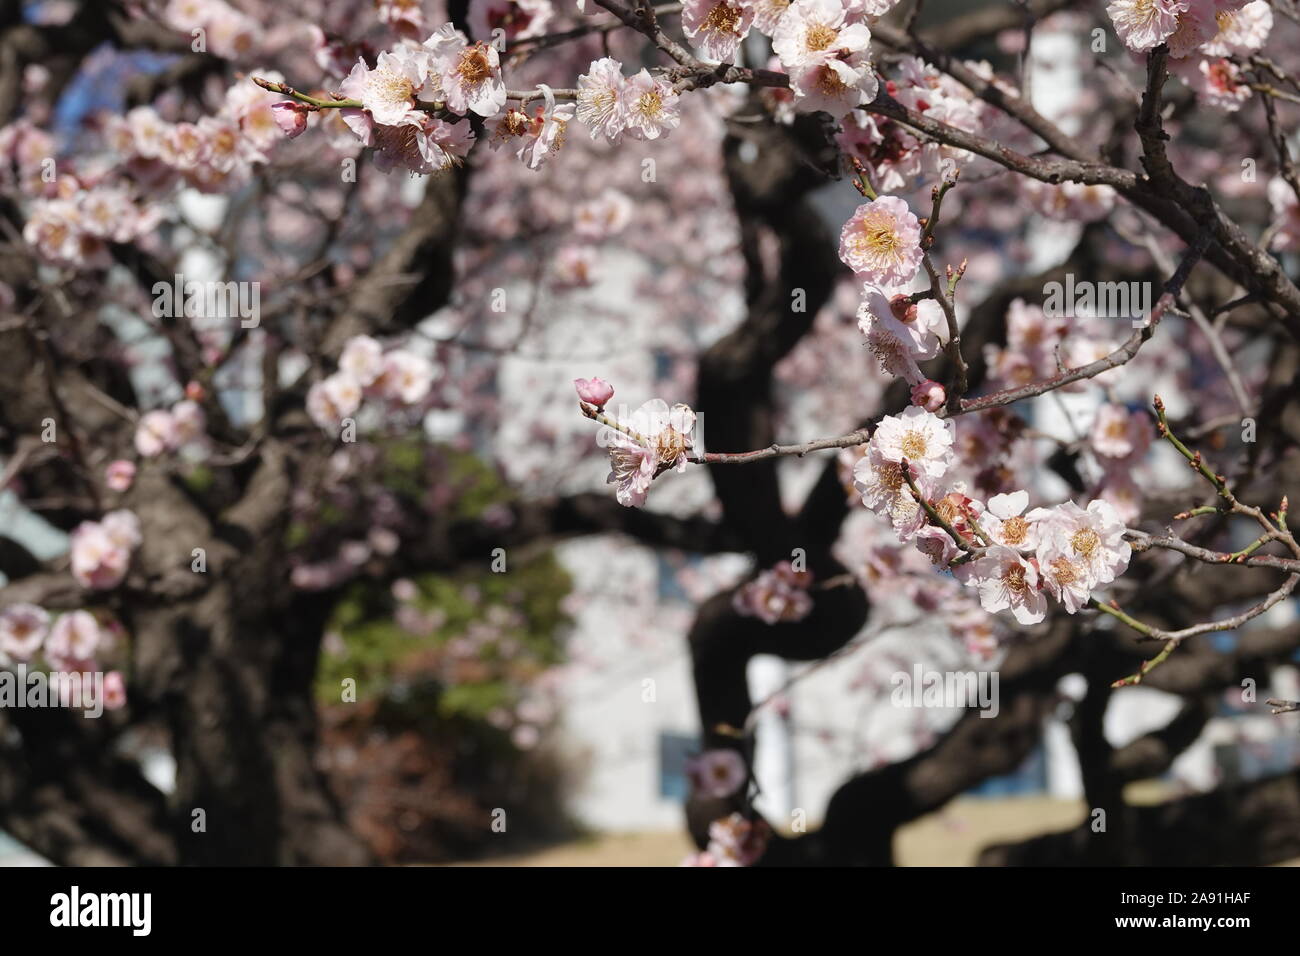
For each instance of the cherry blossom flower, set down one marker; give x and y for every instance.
(918, 436)
(1143, 25)
(404, 16)
(716, 27)
(1005, 522)
(662, 437)
(882, 242)
(601, 105)
(422, 143)
(122, 528)
(119, 475)
(594, 391)
(1218, 83)
(22, 629)
(407, 377)
(878, 480)
(649, 105)
(717, 773)
(1005, 581)
(74, 638)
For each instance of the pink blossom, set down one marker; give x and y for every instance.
(594, 391)
(155, 433)
(601, 105)
(717, 773)
(291, 117)
(917, 436)
(716, 27)
(119, 475)
(1005, 580)
(1143, 25)
(882, 242)
(929, 395)
(114, 691)
(22, 629)
(74, 637)
(98, 561)
(649, 105)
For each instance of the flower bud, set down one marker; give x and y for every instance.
(929, 394)
(594, 391)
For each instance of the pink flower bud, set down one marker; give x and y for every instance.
(290, 117)
(594, 391)
(119, 474)
(929, 394)
(903, 307)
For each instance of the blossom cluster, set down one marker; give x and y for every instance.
(778, 594)
(365, 370)
(653, 439)
(1015, 557)
(101, 550)
(225, 31)
(167, 430)
(1201, 35)
(69, 642)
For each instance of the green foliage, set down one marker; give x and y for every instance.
(516, 620)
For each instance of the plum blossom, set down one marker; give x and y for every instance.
(716, 27)
(546, 132)
(1093, 537)
(929, 395)
(778, 594)
(119, 475)
(601, 105)
(825, 56)
(1005, 581)
(736, 841)
(101, 551)
(155, 433)
(518, 19)
(918, 436)
(1005, 522)
(655, 438)
(471, 80)
(291, 117)
(1143, 25)
(882, 242)
(1240, 32)
(22, 629)
(114, 691)
(407, 377)
(333, 399)
(603, 216)
(1120, 434)
(576, 266)
(363, 359)
(594, 391)
(388, 91)
(649, 105)
(717, 773)
(74, 638)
